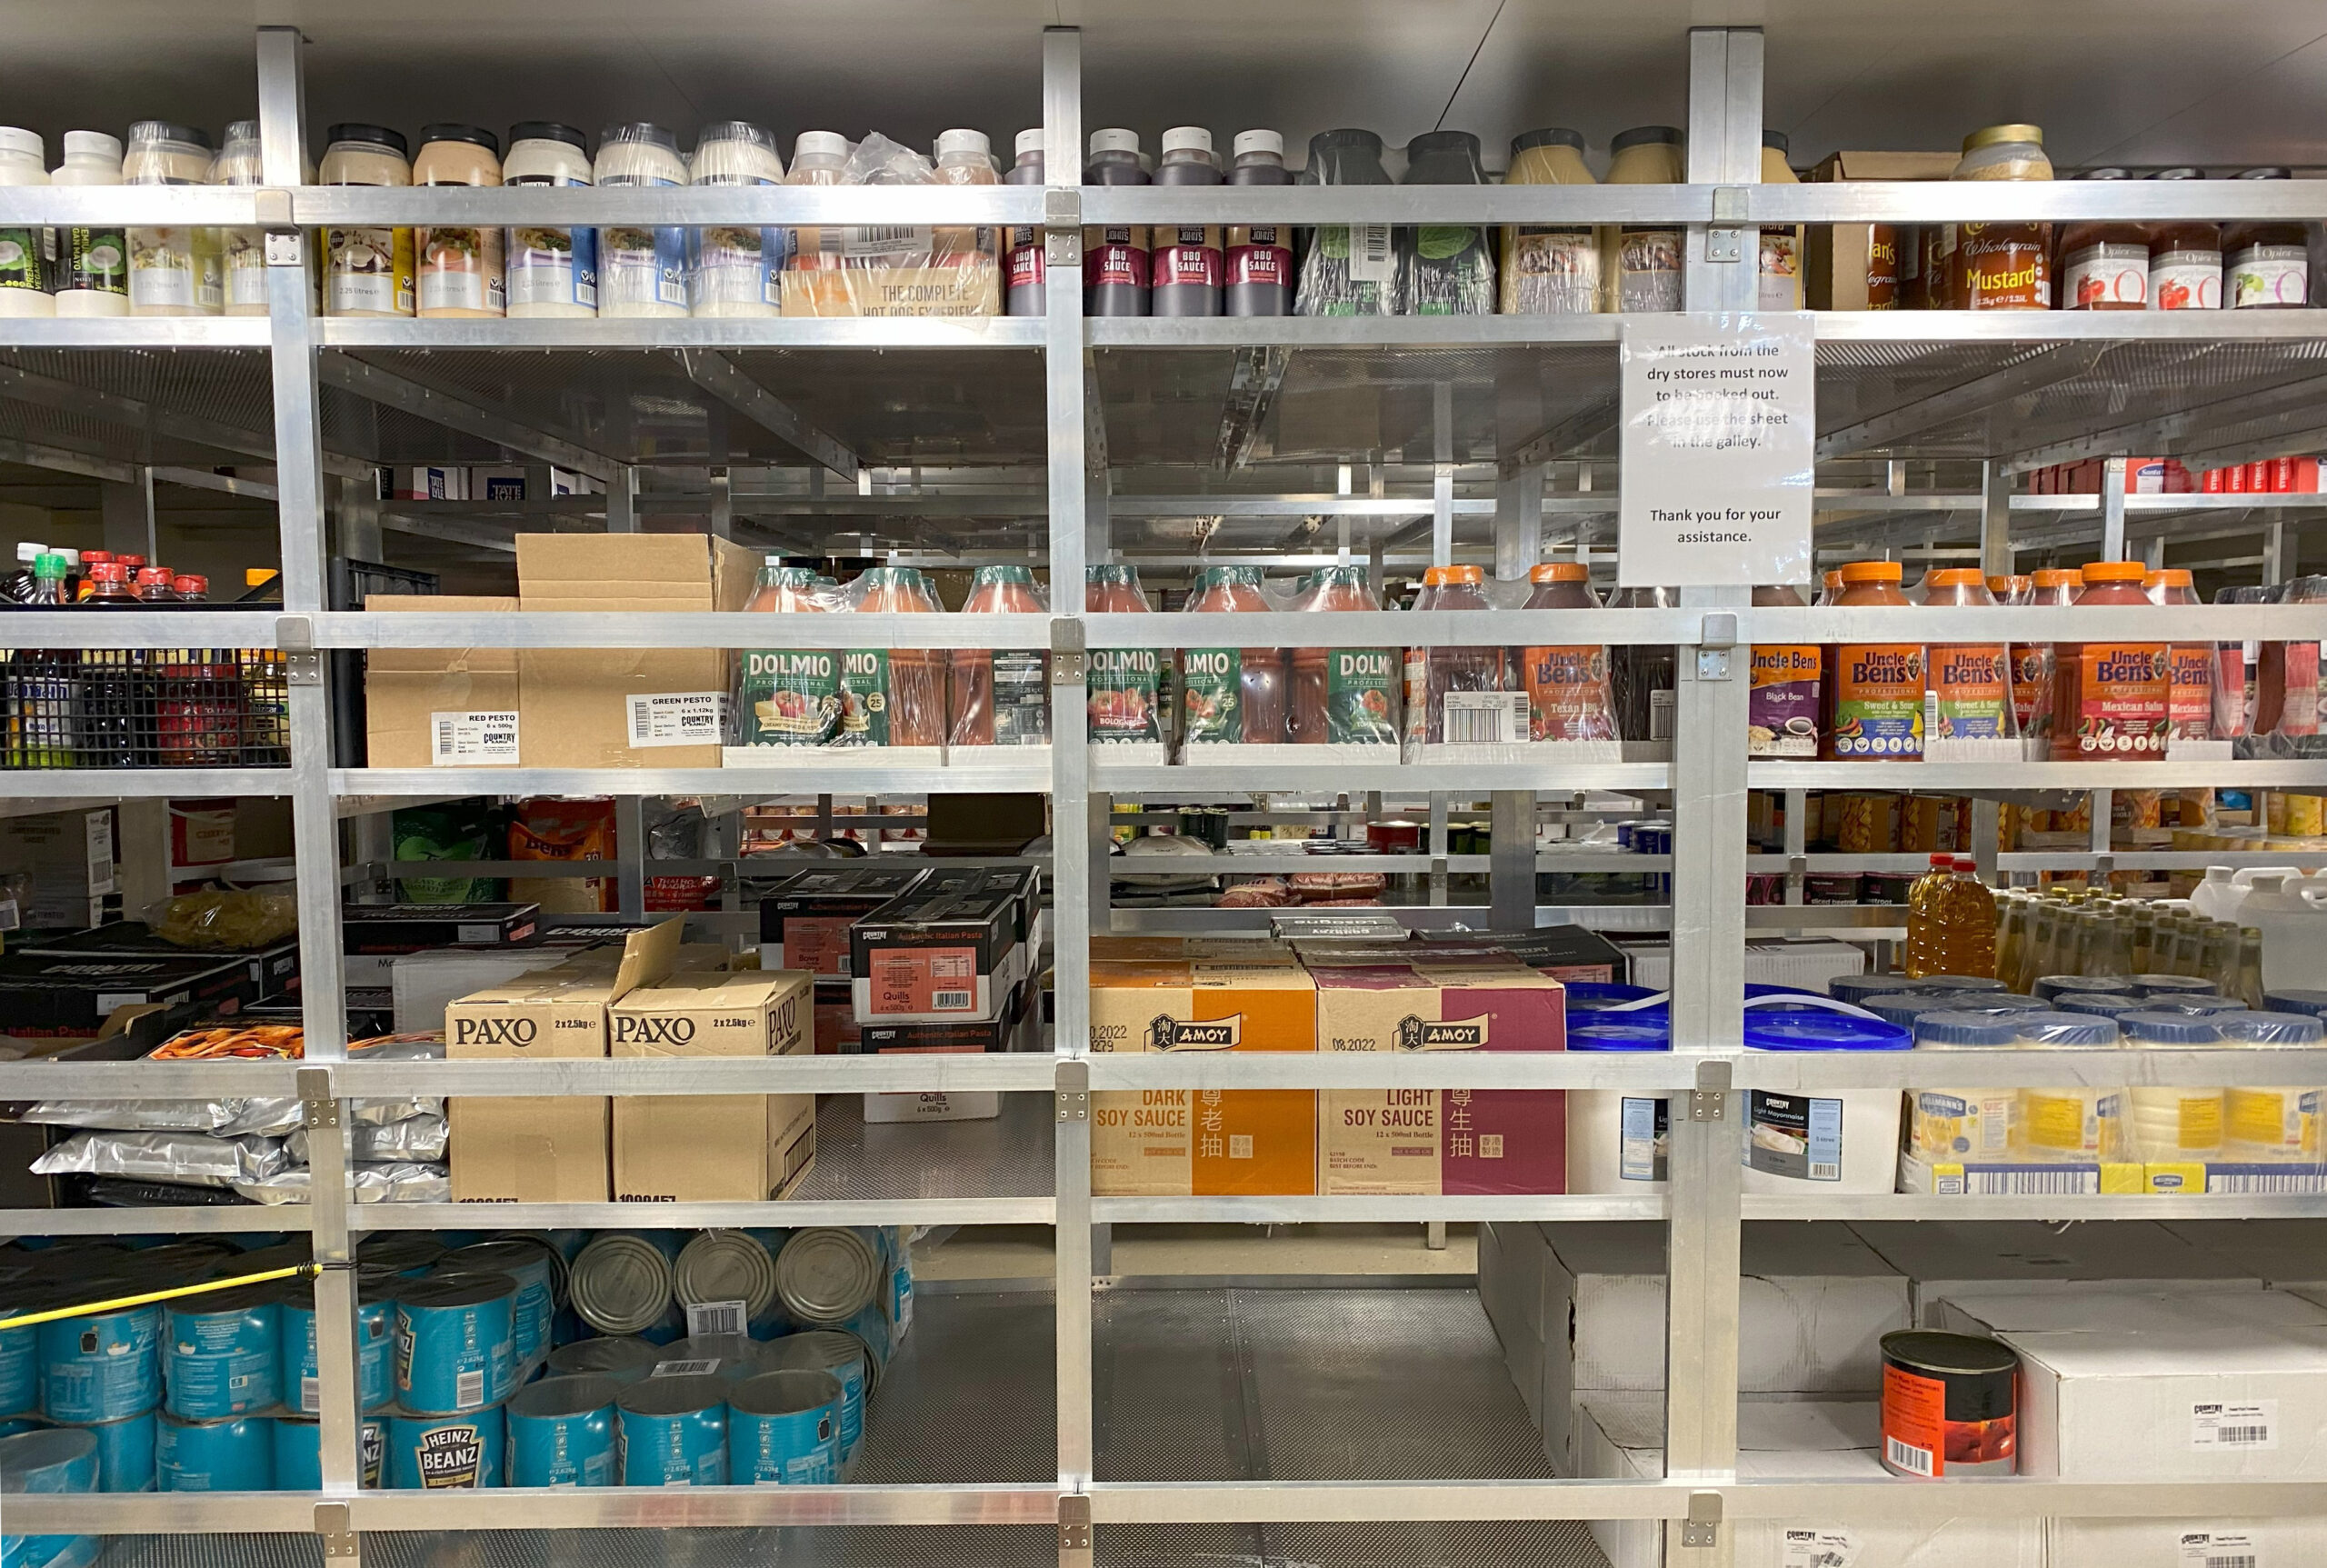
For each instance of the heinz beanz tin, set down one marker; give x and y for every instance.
(236, 1455)
(783, 1430)
(19, 1366)
(842, 1355)
(436, 1452)
(622, 1357)
(526, 1262)
(453, 1346)
(223, 1355)
(674, 1432)
(374, 1343)
(299, 1452)
(103, 1366)
(829, 1273)
(561, 1432)
(125, 1453)
(62, 1460)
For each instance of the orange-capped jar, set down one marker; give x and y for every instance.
(1873, 693)
(2189, 702)
(1568, 697)
(1969, 683)
(2032, 663)
(2109, 697)
(2010, 587)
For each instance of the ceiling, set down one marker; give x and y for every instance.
(2129, 81)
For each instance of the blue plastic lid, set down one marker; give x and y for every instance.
(1650, 1032)
(2068, 1030)
(1590, 995)
(2147, 1026)
(2102, 1007)
(2311, 1001)
(2270, 1028)
(2201, 1005)
(2051, 985)
(1964, 983)
(1755, 988)
(1808, 1029)
(1995, 1028)
(1855, 988)
(1903, 1009)
(2164, 985)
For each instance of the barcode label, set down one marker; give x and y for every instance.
(470, 740)
(2220, 1549)
(1825, 1171)
(311, 1394)
(468, 1389)
(684, 1368)
(908, 241)
(1819, 1549)
(1370, 256)
(1907, 1456)
(949, 1001)
(2250, 1426)
(716, 1317)
(1660, 714)
(2032, 1182)
(1485, 718)
(677, 718)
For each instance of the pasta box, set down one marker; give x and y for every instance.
(273, 967)
(806, 917)
(949, 949)
(52, 993)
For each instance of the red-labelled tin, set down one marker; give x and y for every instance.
(1950, 1405)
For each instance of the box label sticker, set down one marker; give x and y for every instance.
(677, 718)
(1794, 1135)
(1816, 1548)
(1646, 1143)
(2249, 1427)
(717, 1317)
(924, 980)
(472, 740)
(2221, 1549)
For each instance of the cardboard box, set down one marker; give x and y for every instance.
(1834, 272)
(437, 483)
(1947, 1256)
(710, 1148)
(1180, 1143)
(2284, 1254)
(2208, 1543)
(273, 968)
(1812, 1309)
(1561, 952)
(626, 707)
(69, 856)
(951, 948)
(423, 985)
(1510, 1289)
(202, 832)
(542, 1149)
(1991, 1178)
(804, 918)
(1434, 1142)
(416, 928)
(1802, 1441)
(441, 707)
(62, 993)
(2181, 1385)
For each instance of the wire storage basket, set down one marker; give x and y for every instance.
(142, 708)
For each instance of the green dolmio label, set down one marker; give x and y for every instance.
(1122, 702)
(1358, 700)
(792, 698)
(1212, 688)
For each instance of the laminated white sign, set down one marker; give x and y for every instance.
(1719, 422)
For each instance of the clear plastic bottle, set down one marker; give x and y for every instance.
(1126, 684)
(173, 271)
(734, 269)
(2032, 663)
(1116, 272)
(2109, 698)
(458, 271)
(2008, 265)
(790, 696)
(2248, 968)
(1873, 693)
(966, 157)
(1926, 947)
(93, 262)
(27, 256)
(2012, 912)
(1184, 263)
(909, 683)
(2111, 950)
(1342, 696)
(1258, 276)
(1549, 269)
(1644, 676)
(2266, 265)
(1970, 683)
(1001, 697)
(1568, 695)
(1473, 699)
(2184, 257)
(2104, 262)
(241, 252)
(552, 273)
(642, 267)
(1022, 292)
(818, 158)
(367, 272)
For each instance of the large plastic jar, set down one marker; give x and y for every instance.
(93, 264)
(1872, 694)
(1846, 1141)
(459, 268)
(1781, 268)
(241, 252)
(1970, 683)
(1782, 710)
(642, 267)
(734, 270)
(2190, 696)
(2177, 1121)
(1125, 687)
(1348, 269)
(2272, 1124)
(2104, 262)
(2065, 1121)
(2184, 257)
(173, 271)
(1640, 266)
(1549, 269)
(1232, 695)
(367, 271)
(2006, 265)
(1568, 695)
(2266, 265)
(1954, 1123)
(551, 272)
(1448, 269)
(1341, 696)
(2109, 698)
(1115, 270)
(27, 256)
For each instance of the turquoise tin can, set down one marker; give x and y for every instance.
(236, 1455)
(434, 1452)
(125, 1451)
(454, 1346)
(45, 1463)
(673, 1431)
(783, 1430)
(222, 1354)
(561, 1432)
(375, 1348)
(299, 1452)
(101, 1367)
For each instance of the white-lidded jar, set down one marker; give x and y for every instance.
(173, 270)
(818, 158)
(457, 268)
(93, 262)
(367, 272)
(642, 267)
(552, 272)
(242, 252)
(27, 256)
(736, 270)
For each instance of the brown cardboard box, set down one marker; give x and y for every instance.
(1835, 273)
(405, 689)
(1179, 1142)
(577, 702)
(709, 1148)
(543, 1149)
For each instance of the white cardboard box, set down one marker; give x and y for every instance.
(2117, 1385)
(2188, 1543)
(1944, 1258)
(1804, 1440)
(1814, 1307)
(1510, 1289)
(425, 984)
(2284, 1254)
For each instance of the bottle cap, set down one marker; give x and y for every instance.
(1182, 138)
(1956, 577)
(2055, 576)
(91, 557)
(379, 136)
(1943, 863)
(29, 553)
(2114, 571)
(1559, 572)
(1872, 572)
(1258, 142)
(1113, 141)
(154, 577)
(970, 143)
(109, 571)
(49, 563)
(1645, 136)
(92, 144)
(150, 131)
(820, 145)
(475, 135)
(191, 583)
(1549, 136)
(546, 131)
(73, 557)
(2168, 577)
(1996, 136)
(2008, 582)
(1030, 141)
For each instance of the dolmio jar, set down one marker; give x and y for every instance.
(2110, 698)
(1873, 694)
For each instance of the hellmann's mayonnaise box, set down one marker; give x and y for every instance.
(1182, 1142)
(1434, 1142)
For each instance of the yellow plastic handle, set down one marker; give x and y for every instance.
(298, 1270)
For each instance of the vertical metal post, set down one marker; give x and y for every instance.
(2113, 509)
(1995, 519)
(621, 501)
(1797, 842)
(299, 491)
(722, 504)
(1510, 864)
(630, 848)
(1067, 391)
(1519, 523)
(1709, 872)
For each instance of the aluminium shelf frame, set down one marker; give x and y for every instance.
(1707, 779)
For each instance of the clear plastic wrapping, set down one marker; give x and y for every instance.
(832, 699)
(914, 270)
(1231, 696)
(397, 1182)
(214, 919)
(1445, 269)
(1347, 269)
(1125, 685)
(1344, 697)
(195, 1159)
(414, 1138)
(1568, 697)
(1000, 697)
(1470, 698)
(736, 270)
(229, 1116)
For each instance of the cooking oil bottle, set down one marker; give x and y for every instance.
(1950, 921)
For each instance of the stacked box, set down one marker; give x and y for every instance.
(951, 948)
(712, 1148)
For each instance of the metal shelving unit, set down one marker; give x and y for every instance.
(1060, 403)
